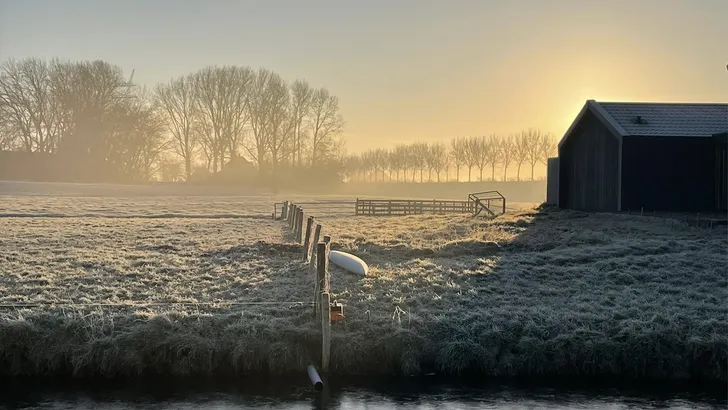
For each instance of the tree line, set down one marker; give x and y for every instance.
(89, 112)
(95, 119)
(431, 162)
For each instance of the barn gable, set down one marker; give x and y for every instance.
(656, 119)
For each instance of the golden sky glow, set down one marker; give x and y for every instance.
(408, 70)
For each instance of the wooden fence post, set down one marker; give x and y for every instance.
(316, 236)
(327, 278)
(291, 208)
(299, 211)
(299, 226)
(293, 217)
(356, 207)
(284, 210)
(321, 268)
(325, 331)
(307, 240)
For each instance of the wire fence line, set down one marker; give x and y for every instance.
(148, 304)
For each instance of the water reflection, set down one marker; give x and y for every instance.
(351, 394)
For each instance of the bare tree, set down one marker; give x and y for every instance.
(549, 148)
(326, 123)
(506, 150)
(236, 115)
(28, 103)
(400, 158)
(96, 102)
(381, 159)
(388, 163)
(447, 163)
(492, 153)
(459, 153)
(148, 140)
(135, 138)
(438, 158)
(8, 137)
(281, 122)
(429, 163)
(534, 143)
(396, 163)
(221, 94)
(520, 151)
(259, 118)
(369, 164)
(478, 148)
(176, 101)
(473, 156)
(419, 152)
(301, 100)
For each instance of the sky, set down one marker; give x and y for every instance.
(406, 70)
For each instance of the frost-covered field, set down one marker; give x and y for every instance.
(187, 285)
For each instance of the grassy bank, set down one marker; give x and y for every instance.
(530, 293)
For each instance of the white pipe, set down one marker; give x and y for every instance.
(318, 385)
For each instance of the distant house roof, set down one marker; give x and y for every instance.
(657, 119)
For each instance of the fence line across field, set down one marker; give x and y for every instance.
(490, 203)
(315, 248)
(327, 206)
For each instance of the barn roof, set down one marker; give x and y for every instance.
(669, 119)
(657, 119)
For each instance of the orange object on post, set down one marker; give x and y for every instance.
(337, 312)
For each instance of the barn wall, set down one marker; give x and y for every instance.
(589, 167)
(721, 175)
(669, 174)
(552, 181)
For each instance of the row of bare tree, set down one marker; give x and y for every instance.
(223, 112)
(88, 112)
(529, 147)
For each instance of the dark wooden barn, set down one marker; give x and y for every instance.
(651, 156)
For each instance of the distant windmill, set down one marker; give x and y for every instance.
(129, 84)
